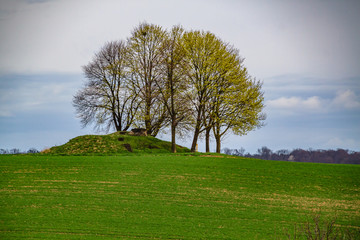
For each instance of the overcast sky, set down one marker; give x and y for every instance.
(307, 54)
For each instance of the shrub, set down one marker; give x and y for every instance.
(319, 229)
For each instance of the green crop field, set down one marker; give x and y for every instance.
(168, 196)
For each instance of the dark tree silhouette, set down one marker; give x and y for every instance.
(106, 99)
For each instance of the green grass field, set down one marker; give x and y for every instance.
(169, 196)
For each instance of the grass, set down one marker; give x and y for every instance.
(113, 144)
(168, 196)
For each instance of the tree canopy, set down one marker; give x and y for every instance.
(188, 81)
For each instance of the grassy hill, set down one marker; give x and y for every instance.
(169, 196)
(113, 144)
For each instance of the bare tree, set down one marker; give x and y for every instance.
(106, 99)
(4, 151)
(32, 150)
(14, 151)
(265, 153)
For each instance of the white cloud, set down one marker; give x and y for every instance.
(343, 100)
(312, 103)
(296, 104)
(346, 100)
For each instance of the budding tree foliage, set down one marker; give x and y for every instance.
(238, 105)
(202, 55)
(145, 63)
(184, 80)
(225, 97)
(173, 84)
(106, 99)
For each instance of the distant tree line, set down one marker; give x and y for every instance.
(18, 151)
(185, 81)
(300, 155)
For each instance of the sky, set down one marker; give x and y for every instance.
(306, 53)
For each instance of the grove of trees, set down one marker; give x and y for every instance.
(157, 79)
(300, 155)
(17, 151)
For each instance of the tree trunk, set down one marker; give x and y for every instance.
(117, 127)
(217, 135)
(147, 118)
(207, 139)
(218, 144)
(196, 132)
(173, 134)
(194, 142)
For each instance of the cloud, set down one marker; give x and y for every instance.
(312, 44)
(42, 93)
(343, 101)
(346, 100)
(275, 37)
(296, 103)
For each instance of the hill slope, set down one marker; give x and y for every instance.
(113, 144)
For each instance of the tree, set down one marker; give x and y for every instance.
(224, 73)
(224, 96)
(237, 107)
(32, 150)
(203, 54)
(4, 151)
(14, 151)
(170, 78)
(282, 154)
(172, 84)
(145, 62)
(236, 100)
(235, 152)
(106, 98)
(265, 153)
(240, 152)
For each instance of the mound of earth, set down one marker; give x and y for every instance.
(112, 144)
